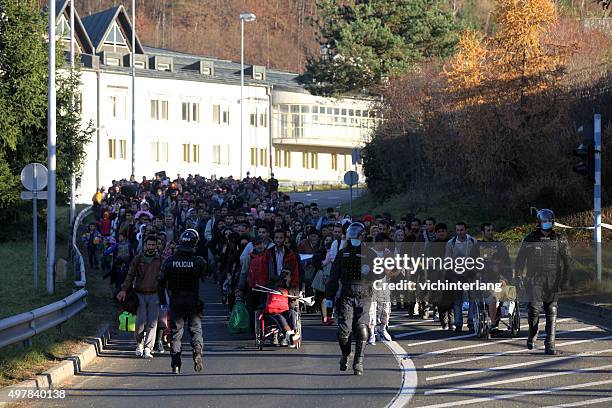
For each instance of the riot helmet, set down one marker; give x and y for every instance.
(546, 219)
(355, 233)
(189, 238)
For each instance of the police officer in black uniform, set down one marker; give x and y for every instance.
(180, 275)
(547, 256)
(352, 267)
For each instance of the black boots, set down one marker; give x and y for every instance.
(358, 360)
(533, 318)
(345, 347)
(551, 331)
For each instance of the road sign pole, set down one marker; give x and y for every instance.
(351, 201)
(597, 195)
(35, 205)
(35, 230)
(357, 185)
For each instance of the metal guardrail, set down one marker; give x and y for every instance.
(25, 325)
(77, 257)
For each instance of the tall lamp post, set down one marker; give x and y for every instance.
(51, 152)
(133, 67)
(243, 17)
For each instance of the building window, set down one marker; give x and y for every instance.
(278, 154)
(196, 153)
(334, 161)
(221, 154)
(117, 106)
(63, 28)
(253, 119)
(115, 37)
(263, 157)
(122, 149)
(296, 122)
(186, 152)
(220, 114)
(159, 109)
(159, 151)
(305, 160)
(287, 158)
(314, 160)
(216, 159)
(263, 119)
(112, 149)
(253, 156)
(191, 112)
(163, 151)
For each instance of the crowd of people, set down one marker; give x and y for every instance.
(249, 234)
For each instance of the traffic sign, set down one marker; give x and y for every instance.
(29, 195)
(351, 178)
(34, 177)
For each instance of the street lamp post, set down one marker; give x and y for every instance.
(133, 67)
(51, 152)
(243, 17)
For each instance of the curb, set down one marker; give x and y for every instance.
(55, 376)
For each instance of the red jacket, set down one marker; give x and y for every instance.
(258, 270)
(289, 262)
(277, 303)
(105, 226)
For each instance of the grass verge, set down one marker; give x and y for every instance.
(18, 363)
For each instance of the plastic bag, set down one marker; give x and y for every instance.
(127, 322)
(239, 320)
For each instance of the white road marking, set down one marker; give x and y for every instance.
(465, 336)
(515, 380)
(409, 376)
(414, 333)
(516, 365)
(409, 323)
(518, 394)
(443, 351)
(464, 360)
(581, 403)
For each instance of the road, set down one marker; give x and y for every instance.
(423, 367)
(451, 370)
(324, 199)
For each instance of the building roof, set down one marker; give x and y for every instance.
(81, 34)
(225, 70)
(99, 24)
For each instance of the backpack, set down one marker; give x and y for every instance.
(123, 252)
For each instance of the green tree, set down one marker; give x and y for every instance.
(368, 41)
(23, 103)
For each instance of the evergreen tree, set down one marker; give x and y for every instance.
(23, 103)
(370, 40)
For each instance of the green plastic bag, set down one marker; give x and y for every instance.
(127, 322)
(239, 320)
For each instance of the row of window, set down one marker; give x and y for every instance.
(190, 111)
(117, 149)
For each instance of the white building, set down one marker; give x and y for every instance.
(187, 113)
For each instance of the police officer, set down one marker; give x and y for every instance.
(180, 275)
(546, 254)
(352, 267)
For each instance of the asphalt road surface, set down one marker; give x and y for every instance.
(436, 369)
(324, 199)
